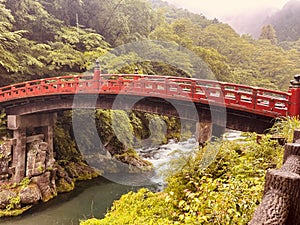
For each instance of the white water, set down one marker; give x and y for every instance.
(232, 135)
(167, 158)
(172, 156)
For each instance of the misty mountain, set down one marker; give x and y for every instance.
(286, 21)
(250, 22)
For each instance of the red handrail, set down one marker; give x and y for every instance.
(236, 96)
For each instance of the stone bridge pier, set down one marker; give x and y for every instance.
(205, 130)
(27, 129)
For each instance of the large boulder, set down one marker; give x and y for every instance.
(30, 194)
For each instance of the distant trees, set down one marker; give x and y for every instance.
(268, 33)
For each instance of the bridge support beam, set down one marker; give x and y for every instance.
(203, 132)
(19, 125)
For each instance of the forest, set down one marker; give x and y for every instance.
(50, 38)
(46, 38)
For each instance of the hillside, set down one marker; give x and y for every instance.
(50, 38)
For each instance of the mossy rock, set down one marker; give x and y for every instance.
(15, 212)
(64, 186)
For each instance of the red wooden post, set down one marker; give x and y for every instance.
(97, 74)
(294, 109)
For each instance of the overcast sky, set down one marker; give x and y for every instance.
(224, 8)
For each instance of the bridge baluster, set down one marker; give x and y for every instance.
(254, 97)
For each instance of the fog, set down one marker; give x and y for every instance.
(244, 16)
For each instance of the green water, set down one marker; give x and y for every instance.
(91, 198)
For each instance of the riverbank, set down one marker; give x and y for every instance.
(15, 199)
(89, 199)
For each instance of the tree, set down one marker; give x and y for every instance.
(268, 32)
(286, 22)
(31, 16)
(119, 21)
(65, 10)
(8, 41)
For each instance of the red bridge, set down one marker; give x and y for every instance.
(37, 95)
(34, 104)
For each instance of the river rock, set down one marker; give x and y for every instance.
(5, 197)
(30, 194)
(63, 182)
(46, 184)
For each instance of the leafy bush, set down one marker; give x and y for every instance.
(227, 191)
(285, 126)
(3, 128)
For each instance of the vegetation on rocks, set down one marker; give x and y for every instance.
(119, 134)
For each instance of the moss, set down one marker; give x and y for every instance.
(64, 186)
(40, 169)
(25, 182)
(132, 158)
(14, 212)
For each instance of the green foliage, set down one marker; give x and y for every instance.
(285, 126)
(30, 15)
(13, 203)
(8, 40)
(268, 33)
(25, 182)
(226, 191)
(64, 145)
(143, 207)
(3, 127)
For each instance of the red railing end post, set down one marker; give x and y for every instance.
(294, 89)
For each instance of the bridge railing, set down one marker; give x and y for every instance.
(236, 96)
(257, 98)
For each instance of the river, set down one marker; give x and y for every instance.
(90, 198)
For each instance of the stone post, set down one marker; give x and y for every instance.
(19, 155)
(48, 131)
